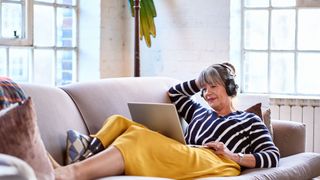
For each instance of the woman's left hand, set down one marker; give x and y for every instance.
(219, 148)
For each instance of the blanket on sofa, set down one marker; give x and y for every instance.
(10, 93)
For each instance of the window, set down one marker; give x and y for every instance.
(51, 58)
(15, 22)
(279, 46)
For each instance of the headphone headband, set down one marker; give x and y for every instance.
(230, 71)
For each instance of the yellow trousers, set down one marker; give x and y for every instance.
(148, 153)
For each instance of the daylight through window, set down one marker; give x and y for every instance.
(279, 47)
(51, 58)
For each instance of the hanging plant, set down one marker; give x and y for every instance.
(147, 15)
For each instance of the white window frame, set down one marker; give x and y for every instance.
(28, 43)
(295, 51)
(27, 38)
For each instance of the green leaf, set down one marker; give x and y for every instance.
(147, 15)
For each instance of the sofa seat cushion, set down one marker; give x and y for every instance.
(296, 167)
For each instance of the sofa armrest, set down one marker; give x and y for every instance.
(289, 137)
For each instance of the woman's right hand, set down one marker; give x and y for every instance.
(219, 148)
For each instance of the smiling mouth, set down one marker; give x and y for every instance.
(211, 99)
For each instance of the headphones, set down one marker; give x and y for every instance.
(230, 85)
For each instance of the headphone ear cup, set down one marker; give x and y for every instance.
(231, 87)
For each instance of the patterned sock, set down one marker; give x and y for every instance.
(94, 147)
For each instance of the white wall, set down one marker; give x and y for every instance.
(190, 36)
(89, 40)
(116, 39)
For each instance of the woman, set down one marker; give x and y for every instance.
(239, 135)
(230, 138)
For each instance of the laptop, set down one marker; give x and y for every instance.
(159, 117)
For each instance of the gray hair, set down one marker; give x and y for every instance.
(216, 74)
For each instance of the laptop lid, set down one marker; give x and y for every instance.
(159, 117)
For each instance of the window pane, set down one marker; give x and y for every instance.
(255, 72)
(19, 64)
(65, 64)
(256, 29)
(282, 73)
(3, 62)
(255, 3)
(67, 2)
(43, 25)
(11, 20)
(308, 66)
(308, 29)
(283, 29)
(66, 24)
(283, 3)
(44, 66)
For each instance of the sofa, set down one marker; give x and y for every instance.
(85, 106)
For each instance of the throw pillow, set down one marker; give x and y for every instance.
(77, 144)
(255, 109)
(267, 120)
(20, 137)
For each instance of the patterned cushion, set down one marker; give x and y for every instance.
(77, 144)
(10, 93)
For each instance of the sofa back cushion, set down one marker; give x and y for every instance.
(103, 98)
(56, 114)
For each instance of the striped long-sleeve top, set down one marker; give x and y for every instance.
(240, 131)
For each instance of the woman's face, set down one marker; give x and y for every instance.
(216, 96)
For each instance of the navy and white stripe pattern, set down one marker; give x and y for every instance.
(240, 131)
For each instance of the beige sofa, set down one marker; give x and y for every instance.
(85, 106)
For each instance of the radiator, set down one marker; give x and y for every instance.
(302, 110)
